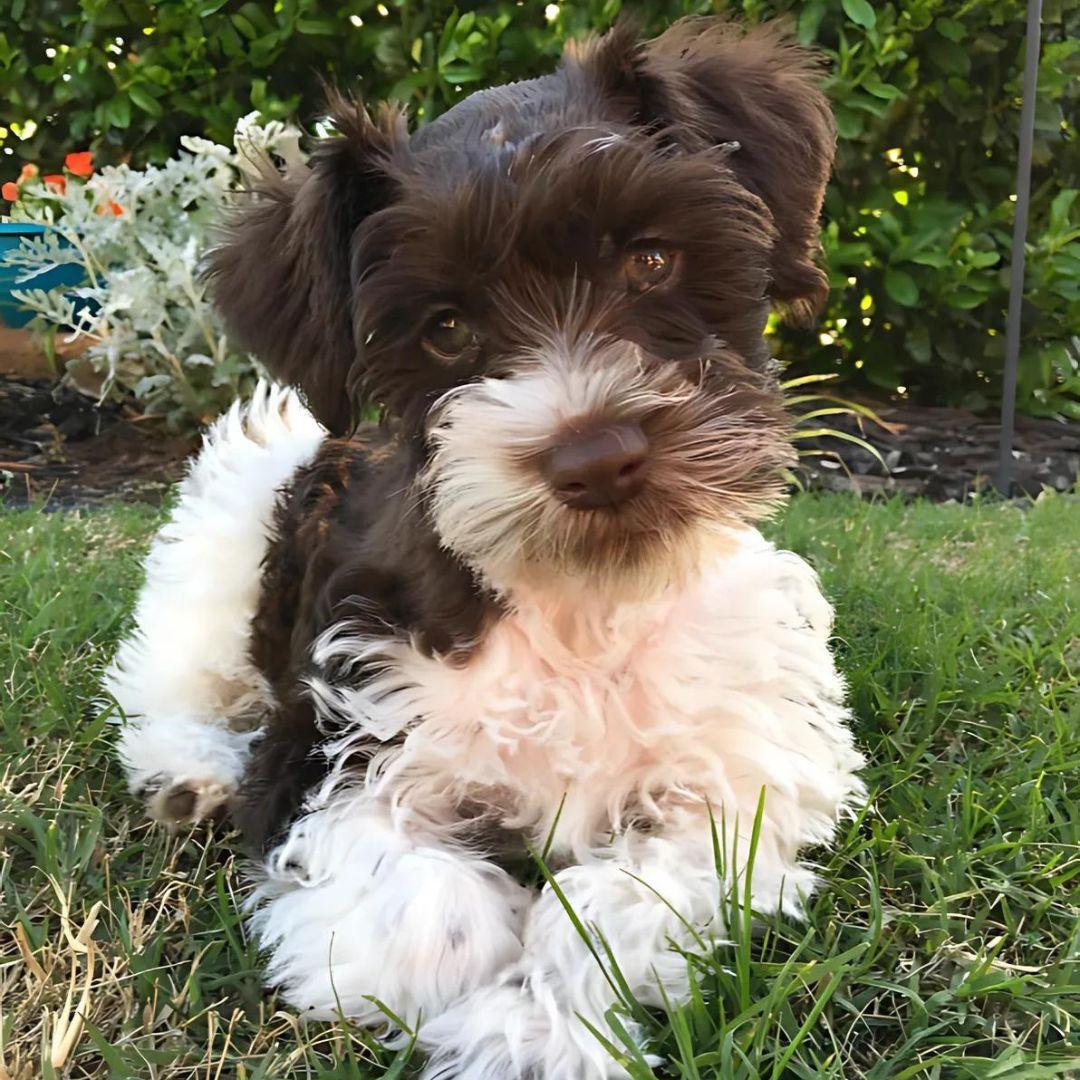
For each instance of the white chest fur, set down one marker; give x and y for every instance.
(604, 714)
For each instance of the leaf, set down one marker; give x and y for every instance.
(810, 21)
(952, 29)
(404, 89)
(872, 84)
(326, 27)
(145, 102)
(246, 27)
(948, 56)
(860, 12)
(983, 259)
(8, 53)
(257, 16)
(1061, 207)
(849, 124)
(918, 342)
(843, 436)
(446, 50)
(965, 299)
(460, 74)
(901, 287)
(118, 112)
(805, 380)
(937, 259)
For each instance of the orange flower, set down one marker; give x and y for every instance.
(56, 181)
(113, 208)
(80, 164)
(29, 171)
(10, 190)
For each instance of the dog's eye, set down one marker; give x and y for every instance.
(448, 336)
(648, 266)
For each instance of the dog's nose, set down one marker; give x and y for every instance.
(603, 466)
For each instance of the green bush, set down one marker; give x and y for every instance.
(918, 219)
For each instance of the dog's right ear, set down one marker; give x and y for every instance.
(283, 276)
(708, 81)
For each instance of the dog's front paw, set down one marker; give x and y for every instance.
(516, 1031)
(184, 800)
(183, 768)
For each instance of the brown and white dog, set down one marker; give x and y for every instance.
(530, 603)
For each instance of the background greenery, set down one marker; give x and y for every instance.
(918, 219)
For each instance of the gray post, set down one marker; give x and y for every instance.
(1016, 270)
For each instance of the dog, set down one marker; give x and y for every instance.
(529, 606)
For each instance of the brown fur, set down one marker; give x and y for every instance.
(345, 546)
(516, 209)
(295, 278)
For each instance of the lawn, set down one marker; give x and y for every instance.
(946, 945)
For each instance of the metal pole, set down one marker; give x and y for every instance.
(1016, 270)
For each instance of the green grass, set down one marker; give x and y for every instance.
(946, 944)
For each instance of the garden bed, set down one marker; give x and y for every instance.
(943, 453)
(57, 446)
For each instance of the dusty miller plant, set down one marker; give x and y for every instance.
(139, 236)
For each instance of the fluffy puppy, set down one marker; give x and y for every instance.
(530, 603)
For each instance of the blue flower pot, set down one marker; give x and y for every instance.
(12, 314)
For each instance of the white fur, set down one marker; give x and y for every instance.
(493, 508)
(358, 910)
(644, 897)
(489, 508)
(183, 679)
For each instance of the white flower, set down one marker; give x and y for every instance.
(196, 144)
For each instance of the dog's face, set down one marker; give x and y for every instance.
(560, 287)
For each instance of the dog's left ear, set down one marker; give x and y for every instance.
(707, 81)
(283, 275)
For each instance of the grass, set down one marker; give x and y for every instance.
(946, 945)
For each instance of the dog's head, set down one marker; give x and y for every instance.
(559, 288)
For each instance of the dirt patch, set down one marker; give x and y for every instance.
(943, 453)
(58, 448)
(22, 355)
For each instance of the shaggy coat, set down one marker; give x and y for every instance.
(528, 606)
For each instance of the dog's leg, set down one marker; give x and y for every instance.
(646, 897)
(183, 679)
(359, 909)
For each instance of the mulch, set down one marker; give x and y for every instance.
(58, 448)
(942, 453)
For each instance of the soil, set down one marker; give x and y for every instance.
(942, 453)
(60, 449)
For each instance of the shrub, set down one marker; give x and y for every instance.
(138, 236)
(918, 218)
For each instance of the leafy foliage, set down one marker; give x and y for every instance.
(918, 219)
(138, 236)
